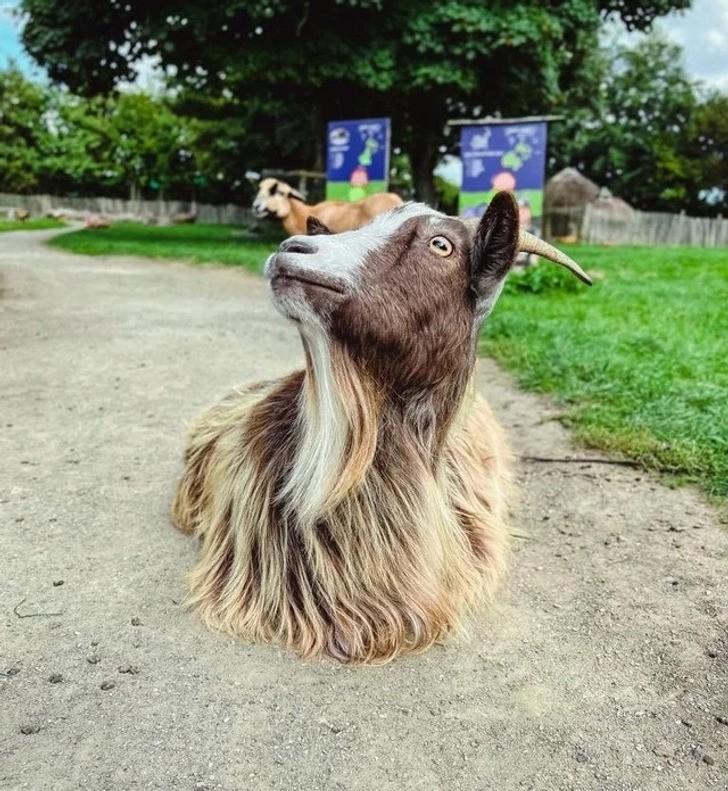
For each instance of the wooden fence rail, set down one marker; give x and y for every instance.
(40, 205)
(590, 223)
(596, 225)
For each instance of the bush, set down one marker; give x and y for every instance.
(542, 277)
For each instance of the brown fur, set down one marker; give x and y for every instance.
(288, 206)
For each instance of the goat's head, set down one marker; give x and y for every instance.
(274, 199)
(406, 295)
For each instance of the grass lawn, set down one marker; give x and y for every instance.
(31, 224)
(638, 362)
(223, 244)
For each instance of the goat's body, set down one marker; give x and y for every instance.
(339, 216)
(410, 547)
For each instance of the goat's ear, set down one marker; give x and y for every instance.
(495, 247)
(297, 195)
(314, 227)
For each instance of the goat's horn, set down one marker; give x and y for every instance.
(528, 243)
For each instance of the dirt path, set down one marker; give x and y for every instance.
(605, 668)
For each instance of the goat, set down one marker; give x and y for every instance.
(278, 199)
(358, 509)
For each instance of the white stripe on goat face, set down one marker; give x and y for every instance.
(343, 255)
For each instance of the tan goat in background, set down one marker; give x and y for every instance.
(277, 199)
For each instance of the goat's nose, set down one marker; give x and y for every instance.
(298, 244)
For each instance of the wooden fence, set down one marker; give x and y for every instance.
(596, 225)
(40, 205)
(592, 224)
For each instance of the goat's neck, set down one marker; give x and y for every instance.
(348, 424)
(425, 414)
(295, 221)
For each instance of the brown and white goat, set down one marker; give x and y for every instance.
(358, 508)
(277, 199)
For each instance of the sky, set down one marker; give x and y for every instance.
(702, 32)
(10, 47)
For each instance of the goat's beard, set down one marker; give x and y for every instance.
(336, 523)
(338, 424)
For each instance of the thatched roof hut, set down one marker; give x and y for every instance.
(566, 196)
(569, 188)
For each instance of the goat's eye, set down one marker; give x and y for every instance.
(441, 246)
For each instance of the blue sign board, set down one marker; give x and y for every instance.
(357, 158)
(504, 156)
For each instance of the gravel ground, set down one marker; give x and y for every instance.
(603, 668)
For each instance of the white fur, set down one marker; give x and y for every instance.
(343, 255)
(323, 420)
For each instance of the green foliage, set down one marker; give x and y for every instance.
(151, 145)
(22, 136)
(541, 278)
(638, 15)
(287, 67)
(708, 145)
(646, 132)
(637, 361)
(125, 145)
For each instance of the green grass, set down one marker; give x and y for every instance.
(31, 224)
(639, 361)
(223, 244)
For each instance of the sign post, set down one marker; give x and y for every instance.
(504, 154)
(357, 158)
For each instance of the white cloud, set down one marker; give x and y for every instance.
(702, 31)
(720, 83)
(717, 39)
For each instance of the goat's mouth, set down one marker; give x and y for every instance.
(284, 276)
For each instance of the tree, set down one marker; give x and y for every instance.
(152, 147)
(709, 147)
(633, 132)
(54, 141)
(22, 135)
(294, 66)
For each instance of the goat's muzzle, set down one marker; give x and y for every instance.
(294, 266)
(260, 210)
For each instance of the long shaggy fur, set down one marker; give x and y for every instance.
(402, 540)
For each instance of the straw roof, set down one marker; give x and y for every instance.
(616, 206)
(569, 188)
